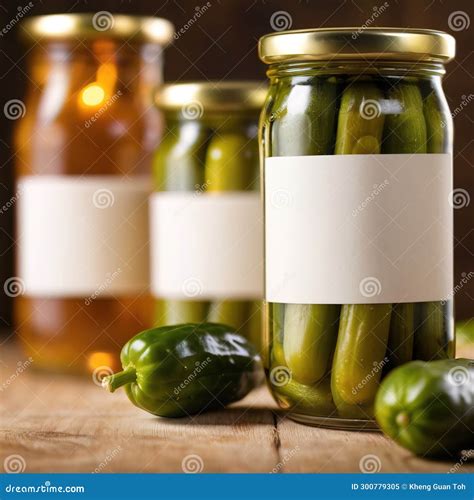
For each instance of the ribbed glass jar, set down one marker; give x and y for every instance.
(356, 137)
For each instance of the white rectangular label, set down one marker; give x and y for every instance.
(83, 235)
(207, 246)
(358, 228)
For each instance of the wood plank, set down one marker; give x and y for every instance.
(69, 424)
(312, 449)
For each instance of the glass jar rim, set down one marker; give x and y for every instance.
(325, 44)
(102, 24)
(230, 96)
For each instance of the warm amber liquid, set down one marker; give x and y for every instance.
(65, 334)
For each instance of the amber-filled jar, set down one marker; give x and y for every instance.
(83, 161)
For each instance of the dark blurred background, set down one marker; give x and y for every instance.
(222, 45)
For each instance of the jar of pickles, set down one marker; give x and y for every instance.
(83, 161)
(357, 142)
(206, 220)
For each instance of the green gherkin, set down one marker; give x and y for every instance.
(310, 337)
(405, 132)
(307, 398)
(278, 323)
(304, 121)
(309, 132)
(435, 125)
(430, 342)
(430, 337)
(360, 123)
(359, 357)
(363, 328)
(178, 165)
(230, 162)
(173, 312)
(400, 340)
(231, 165)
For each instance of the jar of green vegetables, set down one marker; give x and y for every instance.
(206, 217)
(356, 138)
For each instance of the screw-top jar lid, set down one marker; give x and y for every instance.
(357, 43)
(212, 96)
(100, 24)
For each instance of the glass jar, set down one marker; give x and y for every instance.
(356, 136)
(83, 161)
(207, 234)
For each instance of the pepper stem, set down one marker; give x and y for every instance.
(113, 382)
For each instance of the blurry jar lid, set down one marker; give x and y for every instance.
(100, 24)
(231, 96)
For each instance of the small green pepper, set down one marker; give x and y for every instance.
(181, 370)
(428, 407)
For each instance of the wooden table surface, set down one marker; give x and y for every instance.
(53, 423)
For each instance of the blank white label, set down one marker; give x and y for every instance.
(207, 246)
(83, 235)
(358, 228)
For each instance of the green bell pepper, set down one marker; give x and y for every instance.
(181, 370)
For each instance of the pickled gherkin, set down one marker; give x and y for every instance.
(310, 334)
(231, 166)
(301, 398)
(364, 328)
(311, 132)
(304, 335)
(360, 122)
(435, 125)
(175, 312)
(178, 165)
(277, 328)
(230, 162)
(405, 131)
(179, 162)
(430, 341)
(401, 337)
(360, 355)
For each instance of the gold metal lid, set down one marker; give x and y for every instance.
(212, 96)
(100, 24)
(357, 43)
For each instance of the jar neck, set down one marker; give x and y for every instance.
(123, 60)
(356, 67)
(223, 121)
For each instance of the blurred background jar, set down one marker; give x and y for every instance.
(83, 154)
(206, 221)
